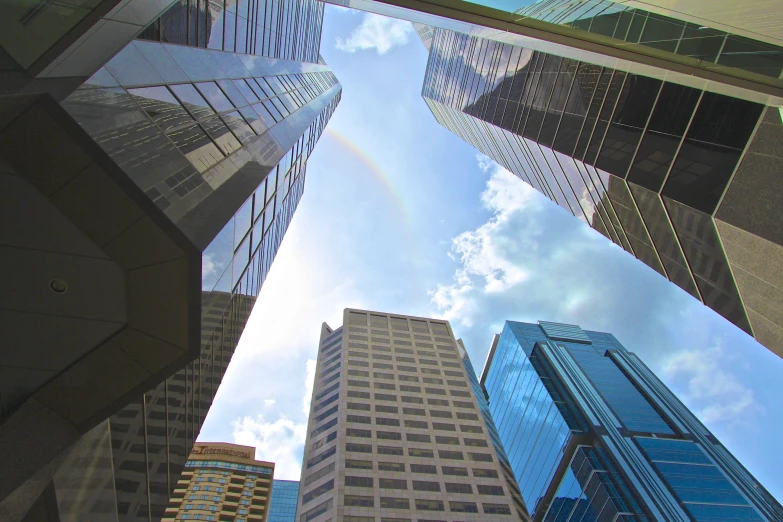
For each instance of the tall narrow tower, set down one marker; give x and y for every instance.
(397, 430)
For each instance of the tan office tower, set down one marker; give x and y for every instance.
(397, 432)
(222, 482)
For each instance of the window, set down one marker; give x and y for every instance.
(395, 503)
(386, 409)
(418, 452)
(359, 501)
(423, 485)
(414, 411)
(385, 386)
(437, 402)
(485, 473)
(358, 373)
(317, 492)
(417, 437)
(441, 414)
(411, 369)
(463, 507)
(358, 464)
(358, 482)
(444, 427)
(354, 432)
(490, 490)
(385, 397)
(358, 448)
(453, 441)
(400, 358)
(359, 419)
(389, 450)
(459, 472)
(470, 429)
(358, 394)
(480, 457)
(407, 388)
(408, 378)
(481, 443)
(391, 466)
(423, 468)
(452, 487)
(416, 424)
(358, 406)
(381, 375)
(462, 404)
(382, 421)
(388, 435)
(385, 483)
(435, 391)
(358, 384)
(459, 393)
(429, 505)
(496, 509)
(467, 416)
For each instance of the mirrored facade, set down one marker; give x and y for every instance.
(182, 165)
(285, 494)
(592, 434)
(649, 164)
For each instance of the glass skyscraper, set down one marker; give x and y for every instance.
(146, 185)
(681, 178)
(592, 434)
(285, 495)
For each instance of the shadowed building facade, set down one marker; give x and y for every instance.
(399, 429)
(686, 180)
(146, 187)
(592, 435)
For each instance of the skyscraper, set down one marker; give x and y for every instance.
(592, 434)
(659, 128)
(222, 481)
(397, 430)
(676, 176)
(146, 187)
(285, 496)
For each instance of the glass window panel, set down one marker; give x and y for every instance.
(217, 256)
(280, 107)
(238, 126)
(215, 96)
(194, 143)
(161, 106)
(265, 87)
(230, 28)
(234, 94)
(192, 100)
(271, 109)
(242, 221)
(245, 90)
(219, 132)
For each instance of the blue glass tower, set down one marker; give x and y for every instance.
(591, 434)
(285, 494)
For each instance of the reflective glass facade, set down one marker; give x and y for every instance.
(213, 140)
(591, 434)
(287, 29)
(651, 165)
(285, 494)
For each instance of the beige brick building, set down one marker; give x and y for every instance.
(222, 482)
(396, 431)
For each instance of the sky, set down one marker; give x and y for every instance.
(399, 215)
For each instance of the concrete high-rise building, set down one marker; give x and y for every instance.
(285, 496)
(661, 128)
(592, 434)
(399, 429)
(146, 185)
(222, 482)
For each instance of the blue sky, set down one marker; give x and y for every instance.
(416, 223)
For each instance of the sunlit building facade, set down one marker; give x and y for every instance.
(222, 482)
(679, 177)
(285, 495)
(592, 435)
(397, 430)
(147, 185)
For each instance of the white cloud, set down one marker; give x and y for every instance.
(486, 253)
(280, 442)
(207, 266)
(715, 394)
(376, 32)
(309, 381)
(269, 402)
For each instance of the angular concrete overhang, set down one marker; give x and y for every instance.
(100, 293)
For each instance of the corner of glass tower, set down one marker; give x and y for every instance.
(153, 157)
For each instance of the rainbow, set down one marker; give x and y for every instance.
(376, 172)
